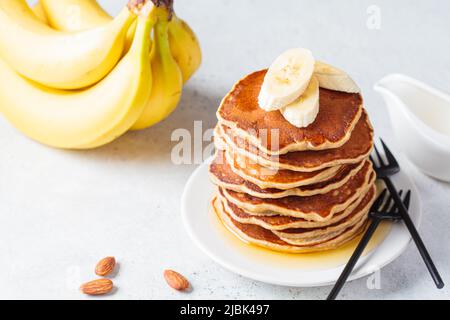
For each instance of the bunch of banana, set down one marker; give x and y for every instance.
(73, 77)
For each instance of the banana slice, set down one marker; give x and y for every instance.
(302, 112)
(334, 79)
(287, 79)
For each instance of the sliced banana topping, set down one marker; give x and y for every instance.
(334, 79)
(292, 84)
(303, 111)
(287, 79)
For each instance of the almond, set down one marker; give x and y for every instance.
(105, 266)
(97, 287)
(176, 280)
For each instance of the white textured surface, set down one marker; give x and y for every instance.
(61, 211)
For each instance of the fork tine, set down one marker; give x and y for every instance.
(395, 208)
(380, 200)
(388, 204)
(380, 159)
(407, 199)
(390, 157)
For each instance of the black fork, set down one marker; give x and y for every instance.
(383, 208)
(384, 170)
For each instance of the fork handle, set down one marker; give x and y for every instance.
(414, 234)
(354, 259)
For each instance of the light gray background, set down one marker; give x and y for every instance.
(61, 211)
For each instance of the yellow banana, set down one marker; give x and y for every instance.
(183, 41)
(58, 59)
(79, 15)
(167, 79)
(87, 118)
(74, 15)
(185, 47)
(40, 13)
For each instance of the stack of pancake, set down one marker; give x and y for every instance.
(287, 188)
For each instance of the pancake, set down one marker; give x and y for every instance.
(358, 147)
(265, 238)
(319, 207)
(223, 176)
(279, 223)
(266, 178)
(327, 235)
(297, 235)
(239, 110)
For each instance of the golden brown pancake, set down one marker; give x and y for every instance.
(265, 177)
(223, 176)
(319, 236)
(300, 235)
(319, 207)
(357, 148)
(280, 223)
(265, 238)
(239, 110)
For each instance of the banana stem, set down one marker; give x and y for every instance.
(168, 4)
(142, 41)
(139, 6)
(162, 37)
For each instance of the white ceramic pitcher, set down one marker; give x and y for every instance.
(420, 116)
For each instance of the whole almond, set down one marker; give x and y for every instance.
(97, 287)
(176, 280)
(105, 266)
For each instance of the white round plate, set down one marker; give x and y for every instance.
(301, 270)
